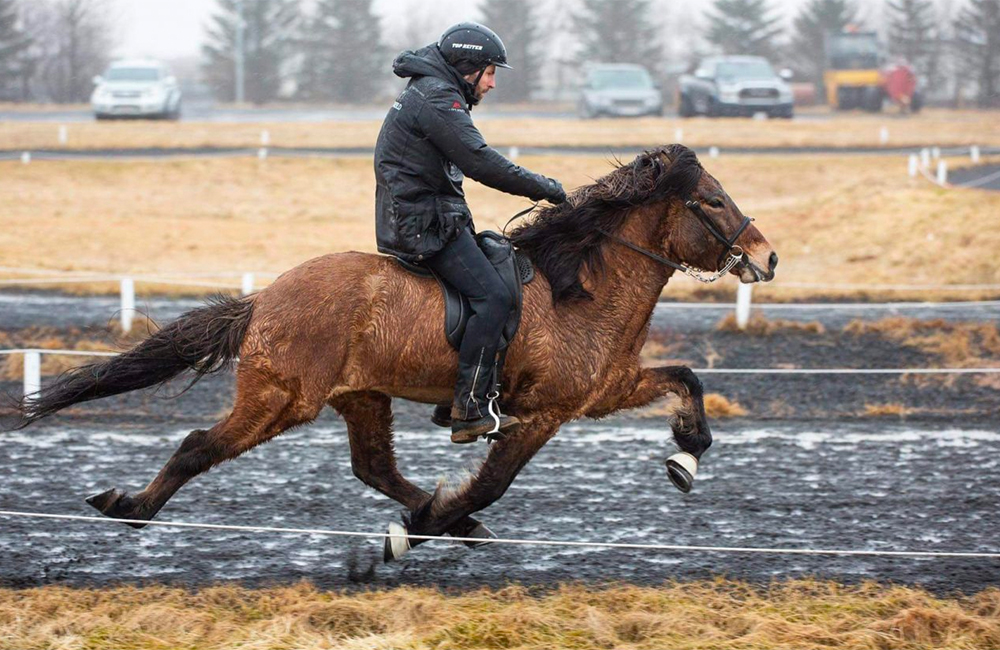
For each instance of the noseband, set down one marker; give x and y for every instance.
(735, 252)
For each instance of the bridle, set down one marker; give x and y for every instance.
(735, 252)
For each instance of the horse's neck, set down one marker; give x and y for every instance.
(626, 292)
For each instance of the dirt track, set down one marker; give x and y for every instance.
(803, 469)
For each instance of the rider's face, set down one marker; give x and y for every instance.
(486, 84)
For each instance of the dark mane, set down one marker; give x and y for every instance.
(562, 239)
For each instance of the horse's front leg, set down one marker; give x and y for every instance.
(447, 507)
(689, 424)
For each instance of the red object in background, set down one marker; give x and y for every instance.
(900, 83)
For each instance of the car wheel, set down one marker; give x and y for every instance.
(712, 109)
(685, 108)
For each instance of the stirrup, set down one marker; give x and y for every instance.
(494, 410)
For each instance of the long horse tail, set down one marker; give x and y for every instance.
(205, 340)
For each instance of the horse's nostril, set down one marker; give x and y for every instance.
(773, 260)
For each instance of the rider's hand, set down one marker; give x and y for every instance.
(557, 194)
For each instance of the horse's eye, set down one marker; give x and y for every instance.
(716, 203)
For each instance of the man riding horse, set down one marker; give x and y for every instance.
(427, 144)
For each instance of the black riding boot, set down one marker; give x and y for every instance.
(475, 412)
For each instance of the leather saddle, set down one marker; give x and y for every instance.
(515, 270)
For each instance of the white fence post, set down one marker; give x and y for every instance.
(883, 135)
(743, 292)
(26, 158)
(914, 162)
(713, 152)
(63, 134)
(262, 153)
(936, 153)
(514, 153)
(128, 303)
(974, 154)
(925, 158)
(265, 138)
(942, 172)
(678, 135)
(32, 372)
(247, 284)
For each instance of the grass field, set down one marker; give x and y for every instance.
(929, 128)
(718, 615)
(832, 219)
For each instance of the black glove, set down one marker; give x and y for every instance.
(557, 194)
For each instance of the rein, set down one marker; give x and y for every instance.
(735, 252)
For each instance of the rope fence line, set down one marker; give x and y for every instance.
(834, 305)
(32, 373)
(513, 541)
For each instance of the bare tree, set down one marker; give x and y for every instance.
(516, 21)
(15, 45)
(344, 58)
(622, 31)
(73, 41)
(745, 27)
(814, 21)
(977, 38)
(269, 35)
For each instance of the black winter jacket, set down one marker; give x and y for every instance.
(426, 145)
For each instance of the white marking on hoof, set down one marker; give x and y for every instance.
(687, 461)
(397, 544)
(681, 468)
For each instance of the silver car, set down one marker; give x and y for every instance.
(736, 86)
(137, 88)
(620, 90)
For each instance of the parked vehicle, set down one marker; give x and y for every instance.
(856, 76)
(136, 88)
(737, 86)
(619, 90)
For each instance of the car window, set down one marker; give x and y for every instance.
(745, 70)
(132, 74)
(604, 79)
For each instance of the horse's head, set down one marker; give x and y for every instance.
(705, 229)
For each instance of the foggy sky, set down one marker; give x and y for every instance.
(171, 29)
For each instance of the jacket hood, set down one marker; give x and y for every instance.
(428, 62)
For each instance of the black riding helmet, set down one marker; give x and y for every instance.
(471, 47)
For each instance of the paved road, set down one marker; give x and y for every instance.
(985, 177)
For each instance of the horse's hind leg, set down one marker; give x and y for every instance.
(263, 409)
(503, 462)
(369, 426)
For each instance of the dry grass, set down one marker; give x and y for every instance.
(894, 409)
(955, 344)
(707, 615)
(839, 219)
(718, 406)
(761, 326)
(930, 128)
(52, 338)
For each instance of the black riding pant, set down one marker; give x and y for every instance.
(464, 266)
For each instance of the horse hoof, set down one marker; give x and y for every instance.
(482, 536)
(115, 504)
(396, 544)
(681, 468)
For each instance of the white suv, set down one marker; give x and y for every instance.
(139, 88)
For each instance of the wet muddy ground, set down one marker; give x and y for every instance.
(804, 469)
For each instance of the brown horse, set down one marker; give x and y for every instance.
(353, 330)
